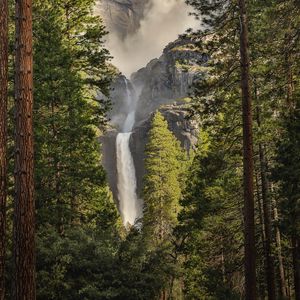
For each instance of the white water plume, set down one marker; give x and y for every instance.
(129, 204)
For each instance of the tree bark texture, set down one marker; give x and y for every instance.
(283, 285)
(296, 265)
(24, 210)
(269, 266)
(3, 136)
(249, 225)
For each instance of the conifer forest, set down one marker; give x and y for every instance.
(149, 149)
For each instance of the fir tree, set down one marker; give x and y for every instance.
(161, 191)
(164, 164)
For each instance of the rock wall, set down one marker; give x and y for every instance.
(121, 89)
(168, 78)
(121, 16)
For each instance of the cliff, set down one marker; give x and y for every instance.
(121, 16)
(169, 77)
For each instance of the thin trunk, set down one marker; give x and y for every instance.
(261, 219)
(24, 211)
(270, 272)
(163, 295)
(170, 296)
(3, 136)
(261, 288)
(289, 282)
(249, 224)
(223, 261)
(296, 265)
(289, 71)
(283, 284)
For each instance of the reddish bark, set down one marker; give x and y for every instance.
(24, 214)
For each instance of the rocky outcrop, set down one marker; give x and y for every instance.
(122, 16)
(169, 77)
(121, 90)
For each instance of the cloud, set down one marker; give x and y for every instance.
(164, 20)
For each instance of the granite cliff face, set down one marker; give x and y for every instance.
(121, 90)
(169, 77)
(122, 16)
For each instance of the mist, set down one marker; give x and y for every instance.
(164, 20)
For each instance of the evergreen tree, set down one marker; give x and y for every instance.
(249, 227)
(210, 221)
(71, 70)
(273, 61)
(69, 179)
(161, 191)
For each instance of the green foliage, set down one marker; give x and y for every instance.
(209, 224)
(287, 173)
(190, 240)
(161, 191)
(71, 66)
(212, 199)
(165, 164)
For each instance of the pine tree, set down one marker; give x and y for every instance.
(69, 178)
(249, 230)
(24, 210)
(210, 222)
(273, 65)
(161, 191)
(3, 136)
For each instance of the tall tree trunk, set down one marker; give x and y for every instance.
(249, 223)
(283, 284)
(261, 288)
(260, 210)
(296, 265)
(289, 71)
(24, 211)
(270, 272)
(3, 135)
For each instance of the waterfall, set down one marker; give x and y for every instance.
(129, 205)
(126, 180)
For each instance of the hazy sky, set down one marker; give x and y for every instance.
(162, 24)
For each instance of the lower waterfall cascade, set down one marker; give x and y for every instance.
(129, 204)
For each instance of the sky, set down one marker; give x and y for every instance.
(163, 22)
